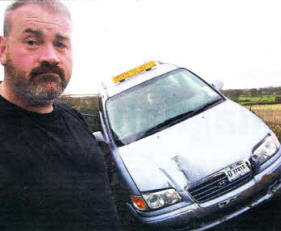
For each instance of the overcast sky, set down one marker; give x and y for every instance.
(237, 41)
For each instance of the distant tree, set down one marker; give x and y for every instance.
(236, 93)
(254, 92)
(233, 93)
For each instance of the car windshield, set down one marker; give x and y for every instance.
(157, 104)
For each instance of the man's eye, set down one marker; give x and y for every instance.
(60, 45)
(31, 42)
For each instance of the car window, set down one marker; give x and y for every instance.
(135, 111)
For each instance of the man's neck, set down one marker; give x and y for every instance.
(7, 93)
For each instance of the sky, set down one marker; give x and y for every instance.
(235, 41)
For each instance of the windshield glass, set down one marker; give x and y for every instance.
(155, 104)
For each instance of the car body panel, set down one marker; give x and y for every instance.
(202, 216)
(200, 147)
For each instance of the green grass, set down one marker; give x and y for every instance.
(268, 99)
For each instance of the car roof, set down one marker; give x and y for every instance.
(112, 88)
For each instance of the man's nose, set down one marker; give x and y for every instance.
(49, 54)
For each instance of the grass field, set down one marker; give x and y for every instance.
(271, 115)
(256, 100)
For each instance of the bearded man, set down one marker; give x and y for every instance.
(52, 173)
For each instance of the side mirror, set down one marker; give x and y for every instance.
(99, 137)
(218, 84)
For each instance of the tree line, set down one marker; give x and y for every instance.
(235, 94)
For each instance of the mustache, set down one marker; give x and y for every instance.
(46, 67)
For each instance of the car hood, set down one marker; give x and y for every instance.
(193, 149)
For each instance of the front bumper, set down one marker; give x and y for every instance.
(201, 216)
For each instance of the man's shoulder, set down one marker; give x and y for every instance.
(60, 105)
(66, 109)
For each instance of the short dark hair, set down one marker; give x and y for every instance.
(54, 5)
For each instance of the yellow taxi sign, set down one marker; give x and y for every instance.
(134, 71)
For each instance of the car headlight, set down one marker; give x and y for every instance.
(156, 200)
(266, 149)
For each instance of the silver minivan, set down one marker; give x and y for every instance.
(188, 157)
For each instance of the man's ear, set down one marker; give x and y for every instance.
(3, 46)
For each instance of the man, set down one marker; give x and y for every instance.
(52, 174)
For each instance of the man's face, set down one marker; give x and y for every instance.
(37, 57)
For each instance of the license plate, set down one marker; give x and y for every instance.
(237, 170)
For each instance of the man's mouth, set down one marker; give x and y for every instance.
(46, 77)
(48, 73)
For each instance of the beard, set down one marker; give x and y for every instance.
(39, 87)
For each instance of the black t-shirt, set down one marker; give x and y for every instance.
(52, 173)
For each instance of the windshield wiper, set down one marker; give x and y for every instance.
(168, 122)
(180, 117)
(207, 105)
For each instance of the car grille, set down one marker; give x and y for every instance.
(216, 186)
